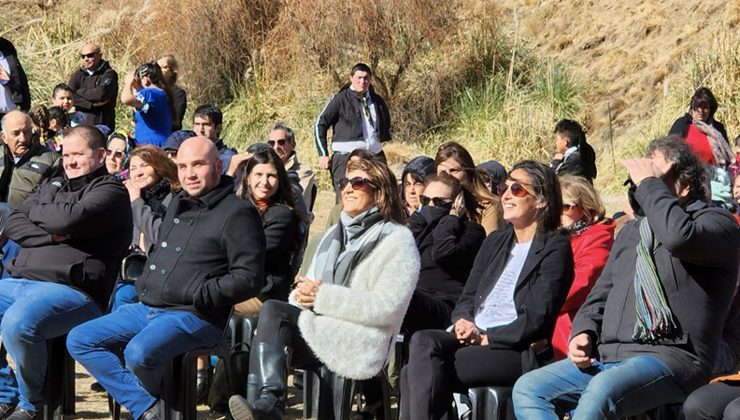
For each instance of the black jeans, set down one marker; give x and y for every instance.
(720, 400)
(426, 312)
(439, 365)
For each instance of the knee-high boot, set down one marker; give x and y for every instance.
(267, 384)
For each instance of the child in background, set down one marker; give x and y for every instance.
(58, 121)
(62, 97)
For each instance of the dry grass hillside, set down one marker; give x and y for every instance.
(631, 54)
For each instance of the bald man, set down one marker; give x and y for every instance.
(95, 88)
(24, 164)
(210, 256)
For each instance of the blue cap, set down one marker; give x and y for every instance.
(175, 139)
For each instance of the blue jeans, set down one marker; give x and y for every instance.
(32, 312)
(10, 251)
(149, 338)
(602, 391)
(123, 294)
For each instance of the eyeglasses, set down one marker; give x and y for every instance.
(280, 142)
(567, 207)
(517, 189)
(118, 154)
(436, 201)
(357, 183)
(88, 55)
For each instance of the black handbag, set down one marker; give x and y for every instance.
(132, 266)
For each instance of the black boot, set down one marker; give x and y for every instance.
(266, 384)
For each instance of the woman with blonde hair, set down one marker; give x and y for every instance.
(454, 159)
(591, 239)
(346, 311)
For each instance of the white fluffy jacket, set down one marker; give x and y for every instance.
(351, 329)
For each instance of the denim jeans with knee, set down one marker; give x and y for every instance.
(148, 338)
(603, 391)
(32, 312)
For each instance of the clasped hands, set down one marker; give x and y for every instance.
(306, 290)
(467, 333)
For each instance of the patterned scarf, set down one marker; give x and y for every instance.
(720, 148)
(654, 317)
(345, 245)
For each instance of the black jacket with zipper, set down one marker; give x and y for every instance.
(95, 94)
(209, 255)
(343, 112)
(93, 213)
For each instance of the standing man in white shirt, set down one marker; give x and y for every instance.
(359, 119)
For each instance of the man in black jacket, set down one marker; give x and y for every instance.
(95, 88)
(360, 120)
(210, 255)
(24, 163)
(73, 231)
(14, 91)
(650, 328)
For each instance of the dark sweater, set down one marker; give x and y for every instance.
(697, 262)
(282, 236)
(447, 249)
(210, 255)
(94, 212)
(91, 89)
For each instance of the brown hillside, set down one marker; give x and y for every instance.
(628, 52)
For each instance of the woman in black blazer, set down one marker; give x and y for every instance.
(507, 312)
(267, 186)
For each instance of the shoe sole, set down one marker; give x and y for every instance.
(239, 408)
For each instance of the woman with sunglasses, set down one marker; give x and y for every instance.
(117, 155)
(448, 240)
(454, 159)
(146, 92)
(348, 308)
(591, 239)
(505, 316)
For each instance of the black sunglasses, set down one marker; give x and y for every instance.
(436, 201)
(280, 142)
(115, 153)
(357, 183)
(88, 55)
(567, 207)
(517, 189)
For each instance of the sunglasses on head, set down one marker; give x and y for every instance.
(88, 55)
(435, 201)
(517, 189)
(280, 142)
(115, 153)
(357, 183)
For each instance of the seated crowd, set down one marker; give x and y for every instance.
(492, 277)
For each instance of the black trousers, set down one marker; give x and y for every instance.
(339, 168)
(426, 312)
(278, 324)
(720, 400)
(439, 366)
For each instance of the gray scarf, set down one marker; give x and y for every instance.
(346, 244)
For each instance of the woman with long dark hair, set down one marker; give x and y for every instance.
(266, 185)
(505, 316)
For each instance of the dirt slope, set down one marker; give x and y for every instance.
(625, 51)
